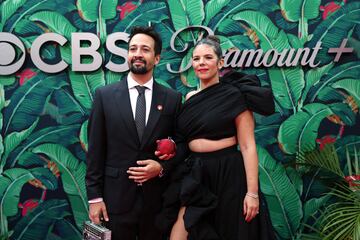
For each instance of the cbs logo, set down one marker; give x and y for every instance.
(13, 52)
(8, 53)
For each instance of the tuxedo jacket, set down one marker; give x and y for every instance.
(114, 146)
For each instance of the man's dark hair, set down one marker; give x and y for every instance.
(150, 31)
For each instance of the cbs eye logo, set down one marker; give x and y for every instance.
(13, 52)
(10, 46)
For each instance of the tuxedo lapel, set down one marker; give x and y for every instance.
(157, 105)
(123, 102)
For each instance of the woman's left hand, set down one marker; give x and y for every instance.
(251, 208)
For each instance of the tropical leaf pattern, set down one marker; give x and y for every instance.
(44, 117)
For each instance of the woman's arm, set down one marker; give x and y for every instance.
(245, 133)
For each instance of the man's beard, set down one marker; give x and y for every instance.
(138, 69)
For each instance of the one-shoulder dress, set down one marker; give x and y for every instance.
(212, 185)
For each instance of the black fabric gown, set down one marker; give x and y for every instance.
(212, 185)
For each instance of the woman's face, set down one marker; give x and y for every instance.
(205, 63)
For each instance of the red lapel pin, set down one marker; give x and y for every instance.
(159, 107)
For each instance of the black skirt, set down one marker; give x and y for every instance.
(212, 187)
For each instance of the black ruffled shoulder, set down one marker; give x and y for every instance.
(258, 99)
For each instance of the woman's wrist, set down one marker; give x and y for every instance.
(254, 195)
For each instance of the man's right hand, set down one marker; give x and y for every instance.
(97, 212)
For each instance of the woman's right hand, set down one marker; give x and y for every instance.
(164, 156)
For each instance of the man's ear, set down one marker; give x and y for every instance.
(157, 59)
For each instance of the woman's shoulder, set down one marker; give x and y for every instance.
(190, 94)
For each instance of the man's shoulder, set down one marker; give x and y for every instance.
(169, 91)
(110, 87)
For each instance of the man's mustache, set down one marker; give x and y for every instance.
(138, 59)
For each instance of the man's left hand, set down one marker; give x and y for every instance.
(146, 170)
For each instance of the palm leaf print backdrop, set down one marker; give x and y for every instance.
(308, 150)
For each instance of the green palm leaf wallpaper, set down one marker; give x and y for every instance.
(309, 150)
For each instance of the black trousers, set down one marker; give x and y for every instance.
(137, 224)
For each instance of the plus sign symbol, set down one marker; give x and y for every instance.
(340, 50)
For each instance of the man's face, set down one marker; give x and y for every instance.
(141, 54)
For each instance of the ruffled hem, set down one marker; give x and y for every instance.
(186, 190)
(200, 202)
(171, 199)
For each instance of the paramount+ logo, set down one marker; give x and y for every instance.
(13, 52)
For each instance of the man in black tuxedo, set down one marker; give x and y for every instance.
(124, 177)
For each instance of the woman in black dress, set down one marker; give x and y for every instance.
(217, 187)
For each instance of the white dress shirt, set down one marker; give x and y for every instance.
(133, 93)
